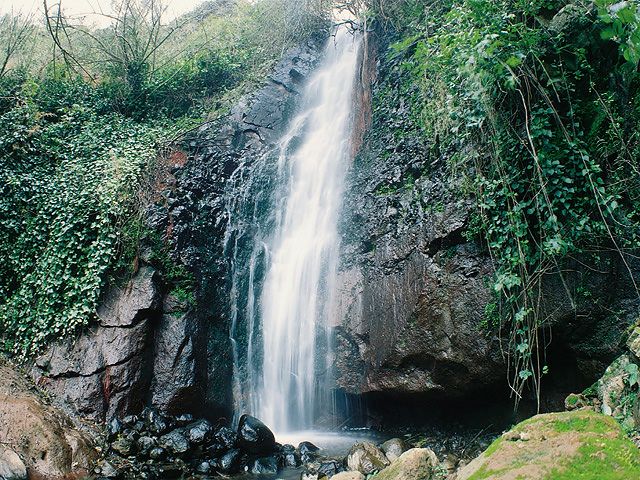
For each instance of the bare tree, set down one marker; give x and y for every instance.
(129, 47)
(15, 31)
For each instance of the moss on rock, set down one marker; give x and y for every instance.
(578, 445)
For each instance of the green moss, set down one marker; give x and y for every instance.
(601, 459)
(603, 451)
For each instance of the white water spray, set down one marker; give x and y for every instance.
(303, 252)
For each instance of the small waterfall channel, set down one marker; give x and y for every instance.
(284, 259)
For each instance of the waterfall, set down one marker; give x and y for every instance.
(284, 289)
(296, 297)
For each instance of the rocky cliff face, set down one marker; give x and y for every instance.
(149, 348)
(412, 318)
(142, 351)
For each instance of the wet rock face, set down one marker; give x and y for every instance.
(194, 216)
(413, 290)
(144, 346)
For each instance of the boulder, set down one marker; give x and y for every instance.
(226, 438)
(40, 434)
(254, 436)
(11, 465)
(366, 458)
(616, 395)
(305, 448)
(289, 456)
(633, 343)
(230, 462)
(329, 468)
(348, 476)
(175, 442)
(124, 446)
(265, 466)
(157, 423)
(145, 445)
(577, 444)
(418, 463)
(199, 432)
(394, 448)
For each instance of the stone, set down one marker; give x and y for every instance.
(175, 442)
(43, 436)
(107, 470)
(154, 420)
(633, 343)
(289, 456)
(309, 476)
(393, 448)
(611, 386)
(226, 437)
(11, 465)
(183, 419)
(129, 420)
(199, 432)
(145, 445)
(366, 458)
(560, 445)
(123, 446)
(114, 427)
(416, 463)
(329, 468)
(575, 401)
(204, 468)
(157, 453)
(307, 447)
(348, 476)
(265, 466)
(254, 436)
(230, 462)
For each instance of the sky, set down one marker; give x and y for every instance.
(87, 7)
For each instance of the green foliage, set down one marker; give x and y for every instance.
(547, 94)
(80, 135)
(68, 178)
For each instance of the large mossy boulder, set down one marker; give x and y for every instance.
(414, 464)
(581, 444)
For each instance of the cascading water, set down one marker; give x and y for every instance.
(289, 271)
(296, 296)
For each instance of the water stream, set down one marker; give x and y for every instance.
(290, 261)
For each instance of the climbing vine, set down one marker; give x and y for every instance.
(546, 91)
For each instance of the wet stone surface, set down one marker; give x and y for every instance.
(154, 446)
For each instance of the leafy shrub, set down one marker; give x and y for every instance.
(68, 178)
